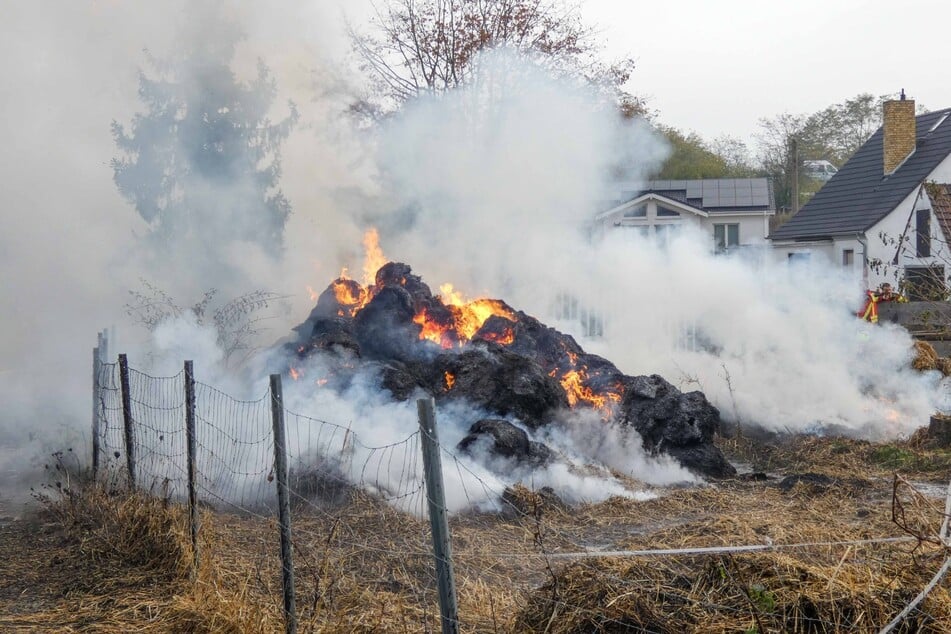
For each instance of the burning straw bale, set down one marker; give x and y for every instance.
(499, 360)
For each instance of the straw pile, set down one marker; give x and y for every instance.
(758, 593)
(815, 587)
(107, 562)
(926, 358)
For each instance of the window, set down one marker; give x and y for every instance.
(641, 231)
(923, 229)
(663, 212)
(799, 257)
(726, 236)
(848, 258)
(636, 212)
(568, 307)
(665, 233)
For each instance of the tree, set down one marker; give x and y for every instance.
(832, 134)
(430, 46)
(202, 163)
(692, 157)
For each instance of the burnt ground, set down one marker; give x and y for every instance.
(367, 568)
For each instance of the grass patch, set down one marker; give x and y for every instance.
(894, 457)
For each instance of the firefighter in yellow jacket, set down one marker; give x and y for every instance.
(883, 293)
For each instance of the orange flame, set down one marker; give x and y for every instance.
(576, 391)
(450, 380)
(433, 330)
(373, 257)
(295, 373)
(467, 318)
(450, 296)
(320, 382)
(350, 294)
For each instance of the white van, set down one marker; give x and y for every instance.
(819, 170)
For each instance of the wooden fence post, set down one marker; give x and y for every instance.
(127, 418)
(283, 503)
(192, 451)
(435, 493)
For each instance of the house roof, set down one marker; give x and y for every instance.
(941, 204)
(710, 194)
(859, 194)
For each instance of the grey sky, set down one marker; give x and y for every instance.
(718, 67)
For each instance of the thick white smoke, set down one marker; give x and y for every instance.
(497, 184)
(491, 187)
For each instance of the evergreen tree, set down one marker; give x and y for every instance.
(201, 164)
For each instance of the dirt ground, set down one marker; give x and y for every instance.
(104, 563)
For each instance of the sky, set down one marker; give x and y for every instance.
(717, 68)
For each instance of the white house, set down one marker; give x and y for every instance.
(734, 212)
(881, 214)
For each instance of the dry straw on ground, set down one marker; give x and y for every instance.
(112, 562)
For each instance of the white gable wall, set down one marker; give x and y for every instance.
(753, 227)
(883, 238)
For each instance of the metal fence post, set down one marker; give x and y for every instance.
(283, 503)
(192, 451)
(96, 372)
(127, 418)
(435, 493)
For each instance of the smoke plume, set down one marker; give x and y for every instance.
(492, 187)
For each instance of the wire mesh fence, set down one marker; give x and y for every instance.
(361, 507)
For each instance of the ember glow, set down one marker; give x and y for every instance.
(295, 373)
(504, 338)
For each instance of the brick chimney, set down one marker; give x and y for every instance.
(898, 121)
